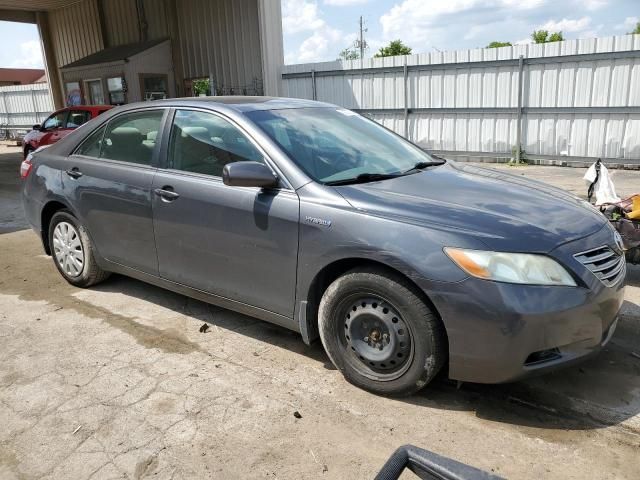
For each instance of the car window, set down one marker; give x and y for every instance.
(132, 137)
(91, 145)
(54, 121)
(204, 143)
(334, 144)
(77, 118)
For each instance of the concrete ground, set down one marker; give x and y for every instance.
(117, 382)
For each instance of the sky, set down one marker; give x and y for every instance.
(317, 30)
(20, 44)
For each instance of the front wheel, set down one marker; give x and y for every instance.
(73, 252)
(380, 334)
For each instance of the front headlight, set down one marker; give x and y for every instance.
(524, 268)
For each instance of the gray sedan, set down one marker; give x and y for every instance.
(312, 217)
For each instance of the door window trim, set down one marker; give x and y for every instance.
(155, 160)
(285, 184)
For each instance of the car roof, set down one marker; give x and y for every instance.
(86, 107)
(236, 102)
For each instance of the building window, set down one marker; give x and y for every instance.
(116, 87)
(74, 94)
(95, 92)
(153, 86)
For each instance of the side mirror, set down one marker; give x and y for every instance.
(37, 126)
(248, 174)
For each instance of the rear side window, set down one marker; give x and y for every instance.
(132, 137)
(77, 118)
(91, 146)
(204, 143)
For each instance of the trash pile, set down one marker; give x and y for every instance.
(624, 214)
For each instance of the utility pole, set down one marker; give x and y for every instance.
(361, 42)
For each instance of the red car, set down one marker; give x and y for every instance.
(59, 124)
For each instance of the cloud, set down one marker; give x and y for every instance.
(344, 3)
(300, 16)
(29, 55)
(592, 4)
(418, 21)
(567, 25)
(629, 24)
(324, 41)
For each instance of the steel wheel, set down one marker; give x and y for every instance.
(67, 249)
(377, 339)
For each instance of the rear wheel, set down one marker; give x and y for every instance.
(380, 333)
(73, 252)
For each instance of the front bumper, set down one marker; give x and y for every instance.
(500, 332)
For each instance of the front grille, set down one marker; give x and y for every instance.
(604, 263)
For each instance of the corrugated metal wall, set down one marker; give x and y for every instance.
(271, 42)
(221, 38)
(24, 105)
(121, 21)
(75, 31)
(466, 101)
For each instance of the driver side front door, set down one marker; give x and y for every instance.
(240, 243)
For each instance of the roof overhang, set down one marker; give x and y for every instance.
(24, 11)
(35, 5)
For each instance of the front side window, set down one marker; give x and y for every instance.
(77, 118)
(92, 144)
(204, 143)
(132, 137)
(334, 144)
(54, 121)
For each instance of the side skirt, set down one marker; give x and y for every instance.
(207, 297)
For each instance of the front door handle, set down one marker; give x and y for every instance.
(166, 193)
(74, 172)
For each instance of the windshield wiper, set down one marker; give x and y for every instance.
(363, 178)
(431, 163)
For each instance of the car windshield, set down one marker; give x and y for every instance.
(335, 145)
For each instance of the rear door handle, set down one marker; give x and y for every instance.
(74, 172)
(166, 193)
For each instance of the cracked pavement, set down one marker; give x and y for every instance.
(116, 381)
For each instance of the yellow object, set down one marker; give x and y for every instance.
(634, 214)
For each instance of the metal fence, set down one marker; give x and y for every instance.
(576, 100)
(22, 106)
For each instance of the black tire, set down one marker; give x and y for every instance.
(27, 150)
(372, 302)
(90, 273)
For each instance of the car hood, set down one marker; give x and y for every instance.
(505, 212)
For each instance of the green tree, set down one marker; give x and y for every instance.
(395, 47)
(499, 44)
(201, 86)
(637, 29)
(349, 54)
(542, 36)
(556, 37)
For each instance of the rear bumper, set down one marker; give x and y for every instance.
(501, 332)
